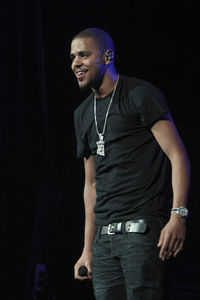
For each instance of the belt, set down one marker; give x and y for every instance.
(139, 226)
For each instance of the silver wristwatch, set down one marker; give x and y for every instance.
(181, 211)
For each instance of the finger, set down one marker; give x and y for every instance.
(179, 248)
(76, 273)
(89, 270)
(81, 276)
(163, 252)
(173, 243)
(88, 266)
(161, 238)
(176, 246)
(169, 255)
(77, 276)
(172, 249)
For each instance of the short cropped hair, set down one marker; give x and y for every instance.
(102, 39)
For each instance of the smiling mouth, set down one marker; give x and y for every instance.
(80, 74)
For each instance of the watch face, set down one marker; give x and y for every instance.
(183, 211)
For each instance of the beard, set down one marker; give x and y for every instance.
(84, 88)
(94, 83)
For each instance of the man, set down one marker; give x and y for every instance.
(136, 171)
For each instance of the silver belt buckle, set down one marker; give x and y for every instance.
(109, 229)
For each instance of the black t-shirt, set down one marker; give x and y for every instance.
(134, 176)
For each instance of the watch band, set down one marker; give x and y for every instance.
(181, 211)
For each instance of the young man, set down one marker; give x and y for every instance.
(136, 172)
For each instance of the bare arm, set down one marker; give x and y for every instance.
(173, 234)
(89, 202)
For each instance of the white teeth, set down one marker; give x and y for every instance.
(80, 73)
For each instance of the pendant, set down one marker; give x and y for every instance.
(100, 146)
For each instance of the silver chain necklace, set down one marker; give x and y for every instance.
(100, 143)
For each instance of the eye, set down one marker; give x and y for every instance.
(72, 57)
(85, 54)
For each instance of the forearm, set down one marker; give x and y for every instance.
(180, 179)
(89, 232)
(90, 228)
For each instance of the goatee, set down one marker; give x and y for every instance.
(84, 88)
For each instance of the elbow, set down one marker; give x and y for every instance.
(90, 185)
(181, 161)
(188, 164)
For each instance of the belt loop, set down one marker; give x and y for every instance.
(98, 231)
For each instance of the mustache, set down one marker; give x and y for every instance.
(80, 69)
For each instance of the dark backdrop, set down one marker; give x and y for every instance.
(41, 209)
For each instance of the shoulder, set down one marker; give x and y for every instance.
(138, 91)
(133, 82)
(142, 100)
(143, 92)
(140, 87)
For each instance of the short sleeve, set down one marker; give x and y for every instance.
(83, 149)
(151, 104)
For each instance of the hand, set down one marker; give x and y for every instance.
(172, 237)
(84, 260)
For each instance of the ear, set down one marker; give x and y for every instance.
(109, 55)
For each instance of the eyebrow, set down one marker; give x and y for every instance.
(80, 53)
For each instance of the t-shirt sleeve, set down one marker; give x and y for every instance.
(151, 104)
(83, 149)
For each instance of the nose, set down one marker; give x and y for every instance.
(76, 62)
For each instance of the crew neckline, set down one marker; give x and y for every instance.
(105, 98)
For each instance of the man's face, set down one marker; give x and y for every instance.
(88, 62)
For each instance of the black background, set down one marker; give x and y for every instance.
(41, 208)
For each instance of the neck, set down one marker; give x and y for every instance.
(107, 85)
